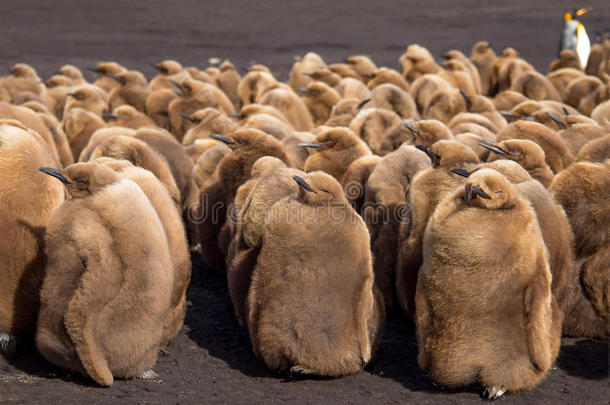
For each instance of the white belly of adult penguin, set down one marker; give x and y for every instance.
(574, 36)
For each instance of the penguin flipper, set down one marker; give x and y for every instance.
(538, 317)
(80, 323)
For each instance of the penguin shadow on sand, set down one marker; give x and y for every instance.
(25, 357)
(211, 322)
(396, 356)
(585, 358)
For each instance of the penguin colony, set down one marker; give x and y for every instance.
(469, 195)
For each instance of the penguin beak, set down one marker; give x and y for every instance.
(556, 119)
(238, 116)
(309, 145)
(303, 90)
(411, 128)
(175, 83)
(155, 66)
(466, 100)
(110, 116)
(362, 103)
(583, 11)
(187, 117)
(175, 90)
(508, 114)
(461, 172)
(494, 148)
(303, 184)
(55, 173)
(476, 190)
(222, 138)
(433, 156)
(118, 79)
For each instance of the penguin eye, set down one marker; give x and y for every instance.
(81, 184)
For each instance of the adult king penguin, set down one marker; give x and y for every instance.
(574, 36)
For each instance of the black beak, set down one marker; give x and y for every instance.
(110, 116)
(116, 78)
(433, 156)
(55, 173)
(187, 117)
(461, 172)
(155, 66)
(303, 184)
(466, 100)
(222, 138)
(303, 90)
(565, 111)
(238, 116)
(362, 103)
(476, 190)
(556, 119)
(411, 128)
(175, 90)
(309, 145)
(508, 114)
(528, 118)
(175, 83)
(494, 148)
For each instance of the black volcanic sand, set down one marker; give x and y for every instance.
(211, 360)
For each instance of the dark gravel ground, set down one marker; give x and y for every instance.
(211, 360)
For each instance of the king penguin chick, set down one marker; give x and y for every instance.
(582, 191)
(482, 317)
(336, 149)
(525, 152)
(312, 306)
(556, 152)
(28, 199)
(176, 241)
(595, 151)
(270, 181)
(106, 293)
(385, 210)
(371, 123)
(426, 190)
(355, 178)
(423, 132)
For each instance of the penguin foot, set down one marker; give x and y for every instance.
(148, 375)
(300, 370)
(8, 344)
(493, 392)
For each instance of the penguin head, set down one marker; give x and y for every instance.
(319, 188)
(525, 152)
(265, 165)
(83, 179)
(168, 67)
(512, 170)
(333, 139)
(574, 14)
(447, 154)
(488, 189)
(23, 70)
